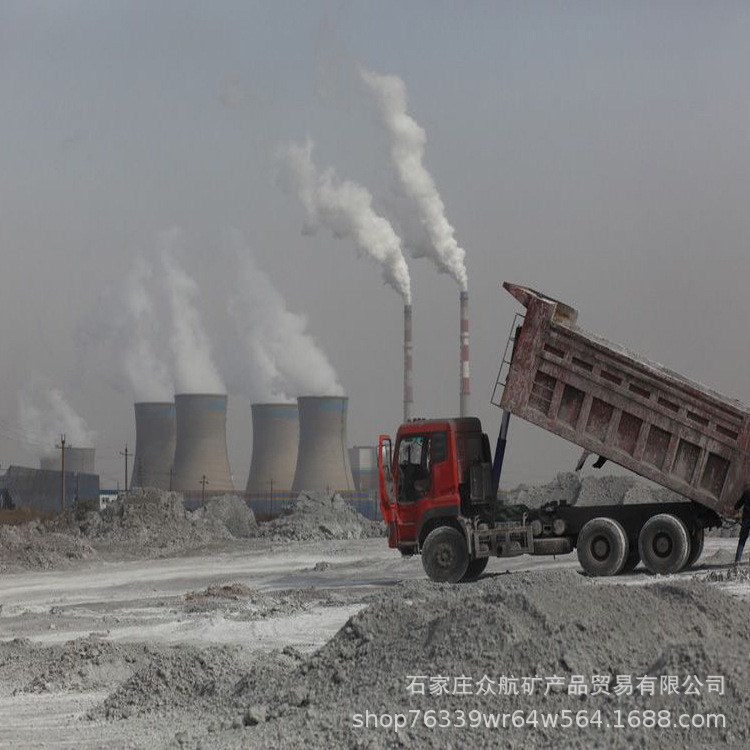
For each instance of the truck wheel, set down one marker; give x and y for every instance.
(475, 568)
(664, 544)
(602, 547)
(696, 546)
(445, 557)
(634, 557)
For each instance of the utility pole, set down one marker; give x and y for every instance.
(126, 454)
(204, 482)
(62, 473)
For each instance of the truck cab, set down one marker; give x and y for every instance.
(436, 475)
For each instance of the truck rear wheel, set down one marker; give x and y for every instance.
(664, 544)
(445, 557)
(602, 547)
(475, 568)
(696, 546)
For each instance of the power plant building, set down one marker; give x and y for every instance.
(77, 460)
(275, 441)
(201, 443)
(155, 437)
(323, 460)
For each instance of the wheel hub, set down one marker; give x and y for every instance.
(445, 556)
(600, 548)
(662, 545)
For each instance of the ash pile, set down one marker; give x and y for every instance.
(320, 516)
(488, 636)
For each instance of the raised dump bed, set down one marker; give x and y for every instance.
(618, 405)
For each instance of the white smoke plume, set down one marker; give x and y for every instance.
(407, 142)
(283, 360)
(345, 208)
(44, 414)
(149, 376)
(195, 371)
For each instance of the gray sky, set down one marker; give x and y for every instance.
(597, 151)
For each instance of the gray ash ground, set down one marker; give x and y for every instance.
(534, 624)
(539, 623)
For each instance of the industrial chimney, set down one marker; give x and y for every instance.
(323, 461)
(465, 381)
(408, 386)
(154, 444)
(201, 443)
(77, 460)
(275, 440)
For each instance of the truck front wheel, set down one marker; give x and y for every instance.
(664, 544)
(445, 557)
(602, 547)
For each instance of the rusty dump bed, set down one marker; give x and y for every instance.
(633, 412)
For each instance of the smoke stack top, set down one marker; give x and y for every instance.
(407, 143)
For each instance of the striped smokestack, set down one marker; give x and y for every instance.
(465, 380)
(408, 387)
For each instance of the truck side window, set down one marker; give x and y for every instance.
(439, 447)
(413, 467)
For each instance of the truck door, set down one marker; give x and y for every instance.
(420, 479)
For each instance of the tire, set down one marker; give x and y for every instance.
(633, 559)
(475, 568)
(602, 547)
(445, 557)
(664, 544)
(696, 546)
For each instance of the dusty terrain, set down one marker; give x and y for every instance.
(258, 640)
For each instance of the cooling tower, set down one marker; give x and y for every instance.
(77, 460)
(408, 387)
(154, 444)
(201, 443)
(465, 381)
(323, 461)
(275, 440)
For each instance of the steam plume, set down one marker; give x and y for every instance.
(283, 358)
(407, 141)
(345, 208)
(44, 414)
(195, 370)
(148, 375)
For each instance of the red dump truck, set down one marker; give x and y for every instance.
(439, 481)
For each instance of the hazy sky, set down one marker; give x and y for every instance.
(597, 151)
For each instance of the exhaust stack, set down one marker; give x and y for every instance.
(201, 443)
(154, 444)
(408, 382)
(465, 380)
(323, 460)
(275, 440)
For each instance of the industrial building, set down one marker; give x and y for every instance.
(40, 489)
(323, 460)
(201, 444)
(155, 437)
(275, 441)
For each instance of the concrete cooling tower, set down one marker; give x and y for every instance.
(154, 444)
(201, 443)
(275, 439)
(323, 461)
(77, 460)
